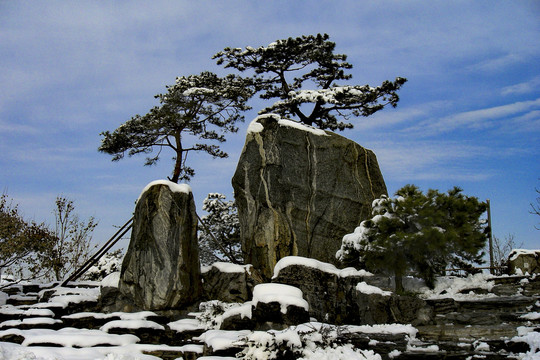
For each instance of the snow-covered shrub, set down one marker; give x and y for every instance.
(422, 233)
(211, 313)
(108, 264)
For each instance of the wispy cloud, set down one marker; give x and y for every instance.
(498, 63)
(522, 88)
(17, 128)
(410, 161)
(401, 115)
(475, 119)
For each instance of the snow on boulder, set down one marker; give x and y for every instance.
(222, 339)
(316, 264)
(369, 289)
(278, 304)
(285, 295)
(111, 280)
(173, 187)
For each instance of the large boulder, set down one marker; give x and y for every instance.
(299, 190)
(161, 268)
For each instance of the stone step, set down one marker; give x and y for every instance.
(460, 333)
(33, 323)
(22, 299)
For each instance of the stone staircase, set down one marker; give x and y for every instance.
(490, 326)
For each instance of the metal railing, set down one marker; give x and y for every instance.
(102, 251)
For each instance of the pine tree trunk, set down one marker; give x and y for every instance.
(177, 168)
(178, 164)
(399, 289)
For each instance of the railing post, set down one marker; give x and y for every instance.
(491, 262)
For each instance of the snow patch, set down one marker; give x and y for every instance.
(451, 287)
(303, 127)
(71, 337)
(365, 288)
(514, 254)
(111, 280)
(256, 127)
(316, 264)
(243, 310)
(142, 315)
(531, 316)
(184, 325)
(226, 267)
(222, 339)
(131, 324)
(175, 188)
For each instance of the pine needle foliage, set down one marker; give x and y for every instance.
(305, 70)
(192, 116)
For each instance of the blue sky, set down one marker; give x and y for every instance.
(468, 116)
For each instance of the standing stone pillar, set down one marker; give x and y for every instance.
(161, 268)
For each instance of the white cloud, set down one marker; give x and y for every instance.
(498, 63)
(475, 119)
(413, 160)
(522, 88)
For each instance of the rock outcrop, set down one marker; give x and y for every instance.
(161, 268)
(348, 296)
(299, 190)
(522, 261)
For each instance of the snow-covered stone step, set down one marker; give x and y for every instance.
(460, 333)
(95, 320)
(32, 323)
(22, 299)
(68, 337)
(10, 312)
(130, 351)
(186, 352)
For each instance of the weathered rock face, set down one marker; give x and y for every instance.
(229, 282)
(300, 190)
(161, 268)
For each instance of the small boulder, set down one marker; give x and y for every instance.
(522, 261)
(229, 282)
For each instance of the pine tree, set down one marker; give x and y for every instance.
(287, 68)
(219, 239)
(196, 110)
(418, 232)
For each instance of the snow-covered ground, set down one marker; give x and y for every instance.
(310, 341)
